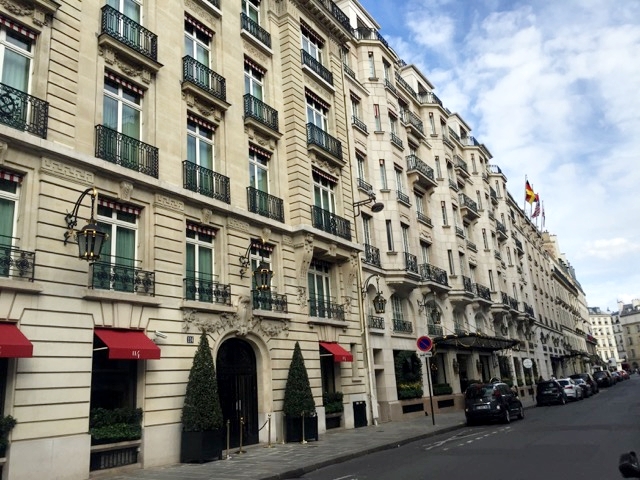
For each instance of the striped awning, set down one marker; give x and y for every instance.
(105, 202)
(257, 244)
(123, 83)
(198, 26)
(324, 175)
(260, 151)
(10, 176)
(311, 33)
(253, 65)
(201, 122)
(16, 27)
(316, 99)
(201, 229)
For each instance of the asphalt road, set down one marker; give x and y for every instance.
(581, 440)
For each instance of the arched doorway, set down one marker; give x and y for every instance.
(238, 387)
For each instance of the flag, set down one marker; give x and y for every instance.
(536, 212)
(529, 194)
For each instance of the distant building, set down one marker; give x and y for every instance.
(628, 318)
(602, 327)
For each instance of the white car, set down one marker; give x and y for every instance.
(571, 388)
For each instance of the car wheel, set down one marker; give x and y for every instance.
(521, 413)
(507, 416)
(562, 401)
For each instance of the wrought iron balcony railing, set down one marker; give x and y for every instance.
(403, 83)
(23, 112)
(262, 112)
(132, 34)
(504, 298)
(497, 255)
(518, 245)
(410, 262)
(434, 330)
(403, 197)
(431, 273)
(371, 255)
(264, 204)
(467, 202)
(414, 163)
(461, 164)
(376, 322)
(396, 140)
(422, 218)
(16, 263)
(470, 141)
(324, 307)
(402, 326)
(453, 185)
(390, 86)
(349, 71)
(316, 67)
(528, 309)
(255, 29)
(206, 182)
(430, 98)
(129, 152)
(359, 123)
(202, 76)
(364, 185)
(453, 135)
(120, 275)
(459, 329)
(483, 292)
(330, 222)
(513, 303)
(467, 285)
(501, 229)
(364, 33)
(412, 119)
(317, 136)
(202, 288)
(459, 232)
(471, 246)
(268, 300)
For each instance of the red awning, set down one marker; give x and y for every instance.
(128, 344)
(13, 343)
(339, 353)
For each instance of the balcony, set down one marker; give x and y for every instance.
(359, 124)
(513, 304)
(390, 86)
(264, 204)
(375, 322)
(403, 198)
(497, 255)
(413, 123)
(402, 326)
(493, 195)
(199, 81)
(519, 248)
(429, 98)
(501, 230)
(410, 263)
(365, 186)
(324, 307)
(468, 208)
(528, 309)
(16, 263)
(201, 287)
(324, 144)
(434, 276)
(120, 275)
(268, 300)
(363, 33)
(422, 218)
(453, 185)
(255, 30)
(461, 166)
(330, 222)
(261, 117)
(434, 330)
(469, 141)
(206, 182)
(420, 173)
(316, 67)
(472, 246)
(403, 83)
(397, 141)
(328, 14)
(482, 292)
(467, 285)
(126, 151)
(371, 255)
(125, 37)
(23, 112)
(349, 71)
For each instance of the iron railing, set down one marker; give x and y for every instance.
(410, 262)
(115, 147)
(202, 76)
(430, 98)
(501, 229)
(403, 197)
(434, 330)
(364, 33)
(518, 245)
(497, 255)
(120, 457)
(513, 303)
(371, 255)
(262, 112)
(264, 204)
(483, 291)
(330, 222)
(467, 285)
(453, 185)
(206, 182)
(203, 288)
(431, 273)
(359, 123)
(467, 202)
(268, 300)
(412, 119)
(16, 263)
(324, 307)
(402, 326)
(472, 246)
(388, 84)
(528, 309)
(422, 218)
(120, 275)
(461, 164)
(316, 67)
(504, 298)
(364, 185)
(459, 329)
(396, 140)
(376, 322)
(348, 71)
(317, 136)
(255, 29)
(403, 83)
(23, 112)
(460, 232)
(414, 163)
(132, 34)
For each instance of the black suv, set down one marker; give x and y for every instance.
(491, 402)
(603, 378)
(548, 392)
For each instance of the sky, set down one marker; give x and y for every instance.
(552, 88)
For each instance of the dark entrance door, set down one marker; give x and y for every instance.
(238, 387)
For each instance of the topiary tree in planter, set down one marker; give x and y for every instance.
(299, 406)
(202, 432)
(6, 425)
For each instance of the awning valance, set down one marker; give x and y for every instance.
(339, 353)
(475, 341)
(128, 344)
(13, 343)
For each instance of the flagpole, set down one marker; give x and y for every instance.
(524, 207)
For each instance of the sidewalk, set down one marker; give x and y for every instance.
(284, 461)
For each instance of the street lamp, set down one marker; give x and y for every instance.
(379, 302)
(263, 274)
(375, 208)
(90, 238)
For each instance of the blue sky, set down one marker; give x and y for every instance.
(552, 87)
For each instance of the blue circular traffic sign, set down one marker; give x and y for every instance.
(424, 343)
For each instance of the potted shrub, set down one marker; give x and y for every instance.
(408, 369)
(333, 408)
(299, 406)
(202, 432)
(442, 389)
(6, 425)
(115, 425)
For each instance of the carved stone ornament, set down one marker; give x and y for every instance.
(304, 254)
(126, 189)
(4, 148)
(17, 7)
(205, 215)
(302, 298)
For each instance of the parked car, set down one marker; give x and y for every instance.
(586, 388)
(587, 377)
(549, 392)
(603, 378)
(616, 377)
(573, 391)
(625, 374)
(491, 402)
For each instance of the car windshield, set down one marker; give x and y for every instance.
(479, 391)
(564, 382)
(579, 381)
(600, 374)
(547, 385)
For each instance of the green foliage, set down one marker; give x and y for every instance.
(410, 390)
(298, 397)
(6, 425)
(332, 402)
(408, 367)
(116, 425)
(202, 411)
(442, 389)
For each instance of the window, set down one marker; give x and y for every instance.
(399, 180)
(356, 109)
(498, 189)
(419, 201)
(319, 284)
(463, 264)
(509, 256)
(387, 71)
(16, 53)
(253, 80)
(383, 175)
(121, 112)
(200, 153)
(317, 113)
(405, 239)
(197, 45)
(432, 124)
(372, 66)
(116, 268)
(323, 192)
(491, 284)
(389, 236)
(443, 209)
(199, 263)
(452, 268)
(132, 10)
(473, 163)
(397, 308)
(479, 199)
(366, 229)
(9, 195)
(361, 162)
(438, 170)
(393, 124)
(251, 8)
(376, 114)
(484, 239)
(312, 44)
(424, 252)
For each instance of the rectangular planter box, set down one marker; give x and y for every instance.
(293, 429)
(199, 447)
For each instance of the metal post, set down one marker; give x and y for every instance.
(240, 450)
(268, 445)
(304, 437)
(228, 438)
(433, 412)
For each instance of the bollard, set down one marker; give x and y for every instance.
(240, 450)
(304, 437)
(228, 439)
(268, 445)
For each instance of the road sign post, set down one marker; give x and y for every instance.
(425, 344)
